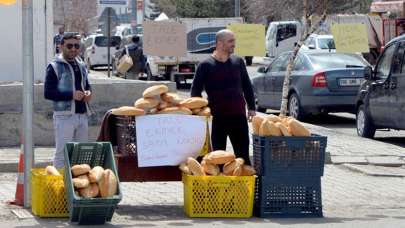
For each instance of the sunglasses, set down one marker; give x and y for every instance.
(70, 46)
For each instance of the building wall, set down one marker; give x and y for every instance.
(11, 61)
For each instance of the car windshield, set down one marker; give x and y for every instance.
(336, 60)
(102, 41)
(326, 43)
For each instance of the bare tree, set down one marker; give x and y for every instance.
(304, 36)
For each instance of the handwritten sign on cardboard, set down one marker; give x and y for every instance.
(249, 39)
(169, 139)
(164, 38)
(350, 38)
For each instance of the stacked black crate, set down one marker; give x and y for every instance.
(289, 173)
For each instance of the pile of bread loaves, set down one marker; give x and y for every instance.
(272, 125)
(91, 183)
(157, 100)
(211, 165)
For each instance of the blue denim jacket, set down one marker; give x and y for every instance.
(66, 83)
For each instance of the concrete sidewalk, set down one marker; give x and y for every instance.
(349, 199)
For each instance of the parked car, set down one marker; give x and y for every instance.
(321, 82)
(381, 98)
(315, 41)
(95, 53)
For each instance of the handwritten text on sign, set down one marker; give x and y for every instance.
(350, 38)
(168, 139)
(249, 39)
(164, 38)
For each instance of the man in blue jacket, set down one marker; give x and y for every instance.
(67, 85)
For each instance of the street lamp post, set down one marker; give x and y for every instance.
(28, 94)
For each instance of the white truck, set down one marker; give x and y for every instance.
(200, 44)
(282, 36)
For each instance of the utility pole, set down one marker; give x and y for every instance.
(108, 40)
(28, 95)
(237, 8)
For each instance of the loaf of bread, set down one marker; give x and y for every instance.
(95, 174)
(195, 167)
(81, 181)
(194, 102)
(128, 111)
(206, 111)
(238, 171)
(265, 127)
(283, 129)
(90, 192)
(219, 157)
(163, 105)
(184, 168)
(248, 170)
(78, 170)
(155, 90)
(146, 103)
(175, 110)
(171, 98)
(108, 184)
(229, 167)
(195, 111)
(273, 118)
(210, 169)
(51, 170)
(256, 122)
(268, 128)
(297, 129)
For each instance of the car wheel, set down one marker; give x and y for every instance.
(294, 107)
(364, 124)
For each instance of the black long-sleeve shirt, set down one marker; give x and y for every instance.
(51, 91)
(227, 85)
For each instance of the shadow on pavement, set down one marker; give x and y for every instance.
(398, 141)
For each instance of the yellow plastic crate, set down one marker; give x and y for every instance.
(219, 196)
(48, 194)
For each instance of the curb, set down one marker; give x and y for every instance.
(12, 167)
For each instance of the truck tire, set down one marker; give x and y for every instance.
(249, 60)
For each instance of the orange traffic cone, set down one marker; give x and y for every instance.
(19, 194)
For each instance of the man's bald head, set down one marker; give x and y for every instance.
(225, 41)
(221, 35)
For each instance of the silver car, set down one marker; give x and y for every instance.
(321, 82)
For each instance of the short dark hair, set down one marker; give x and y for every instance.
(135, 39)
(68, 37)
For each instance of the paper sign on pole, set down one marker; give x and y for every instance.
(169, 139)
(164, 38)
(350, 38)
(249, 39)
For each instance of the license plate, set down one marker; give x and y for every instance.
(350, 81)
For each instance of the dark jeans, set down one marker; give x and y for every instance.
(236, 127)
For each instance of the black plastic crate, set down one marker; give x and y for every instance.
(93, 210)
(287, 156)
(289, 198)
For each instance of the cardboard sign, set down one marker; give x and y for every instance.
(168, 139)
(350, 38)
(250, 39)
(164, 38)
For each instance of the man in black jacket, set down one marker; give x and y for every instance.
(225, 79)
